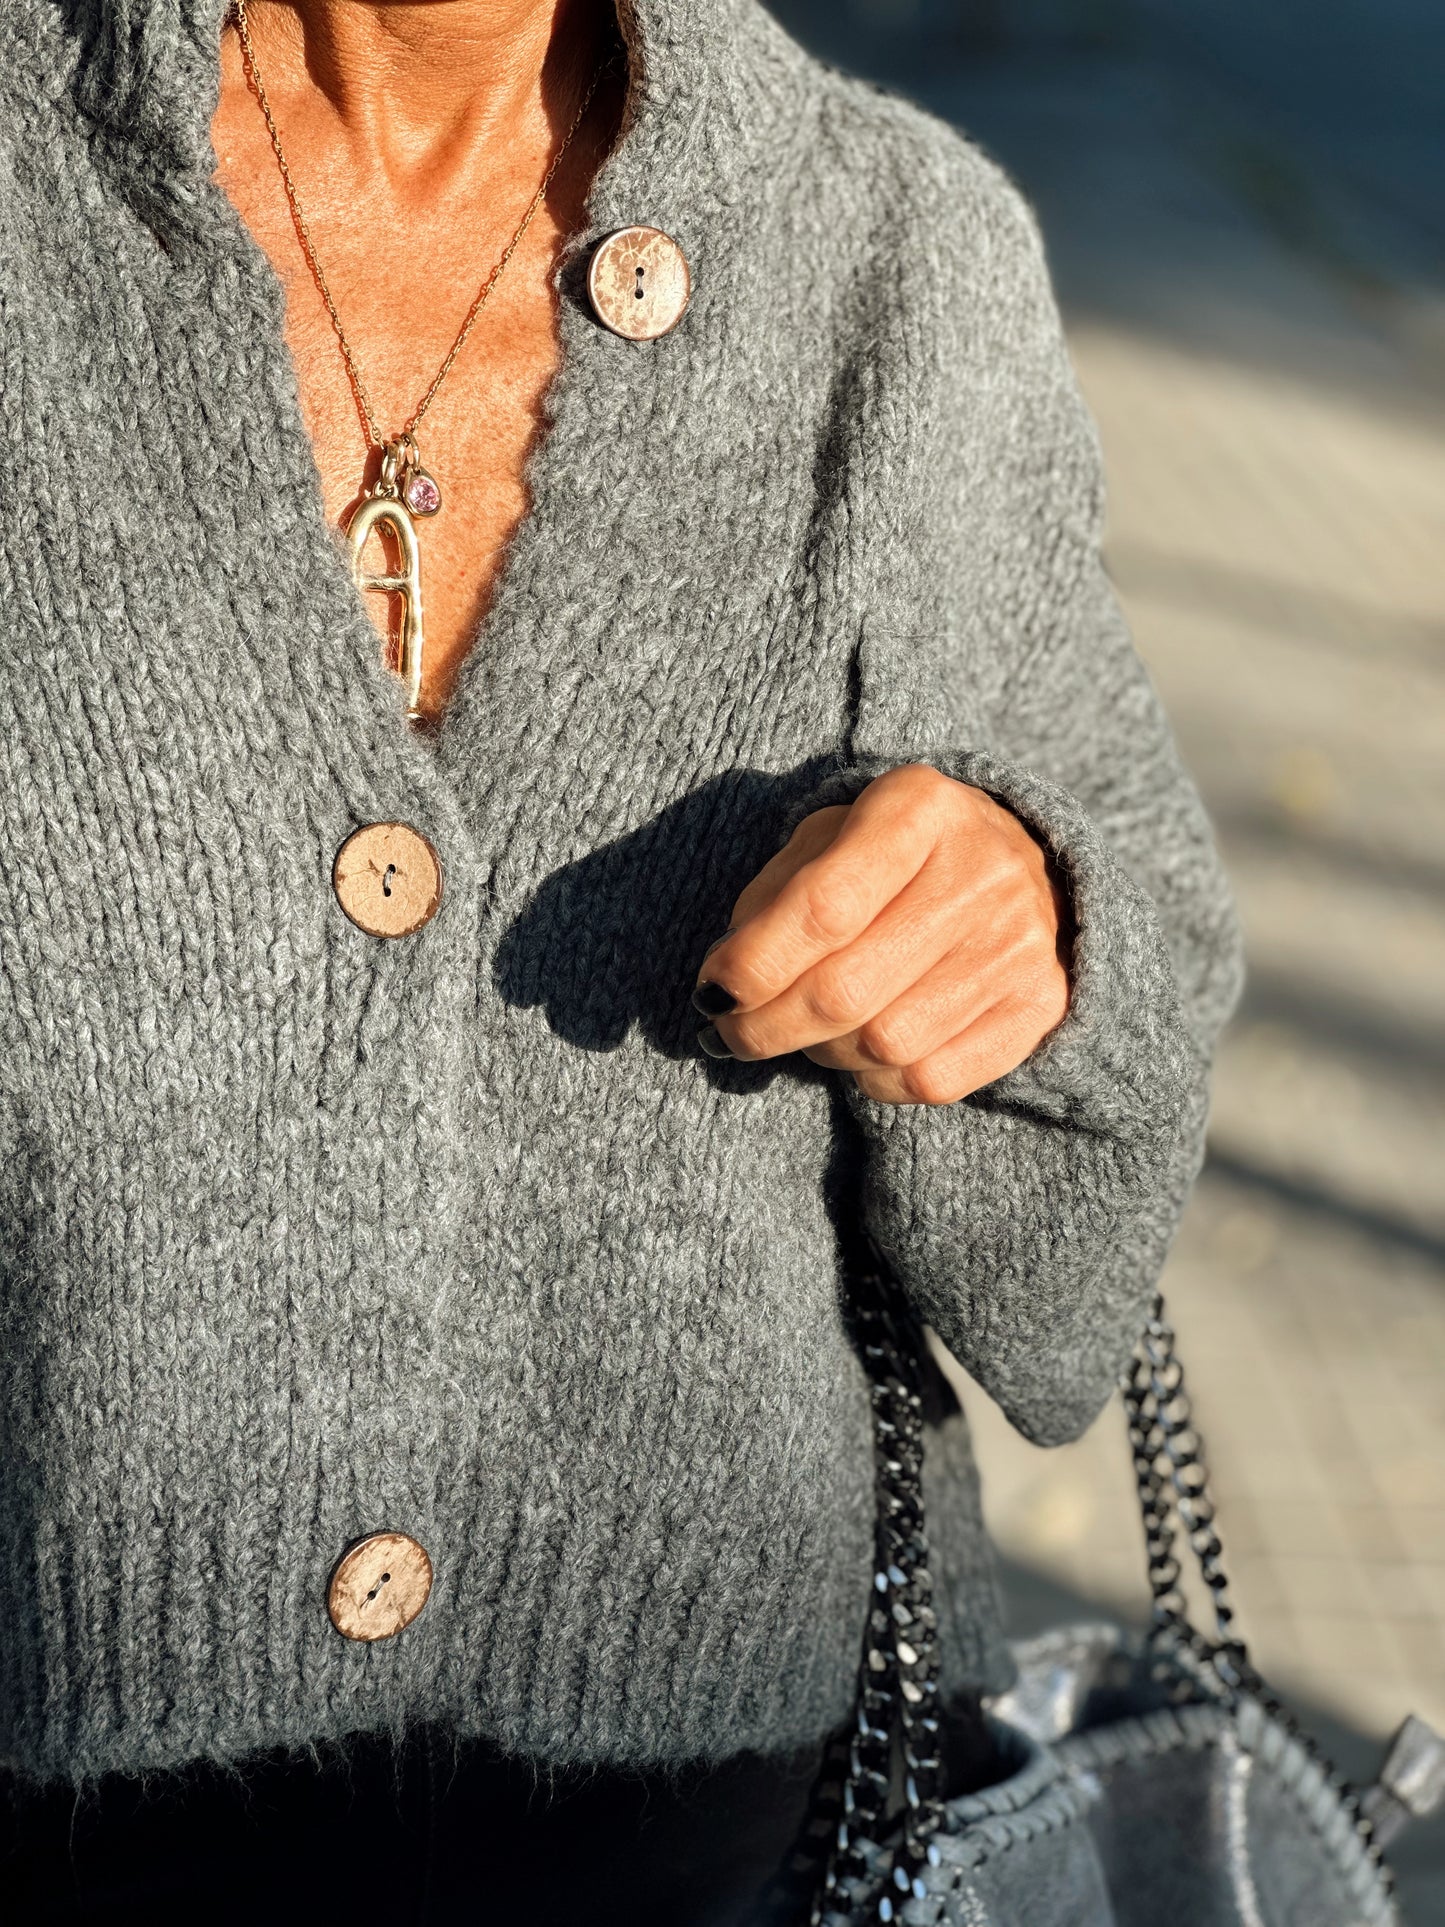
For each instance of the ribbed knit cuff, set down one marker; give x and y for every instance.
(1122, 1060)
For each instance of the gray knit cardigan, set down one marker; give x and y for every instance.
(306, 1234)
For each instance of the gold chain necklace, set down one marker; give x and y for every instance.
(403, 488)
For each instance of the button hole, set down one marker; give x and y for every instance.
(639, 292)
(387, 875)
(378, 1586)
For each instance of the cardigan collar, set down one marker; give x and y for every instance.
(149, 72)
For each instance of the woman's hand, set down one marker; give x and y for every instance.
(915, 937)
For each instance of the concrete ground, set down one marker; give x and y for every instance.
(1246, 214)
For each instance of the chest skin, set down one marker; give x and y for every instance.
(403, 272)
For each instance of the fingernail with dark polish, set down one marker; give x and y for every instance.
(712, 999)
(717, 940)
(711, 1041)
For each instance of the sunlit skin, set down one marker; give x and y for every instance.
(914, 938)
(416, 135)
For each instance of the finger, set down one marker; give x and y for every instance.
(919, 938)
(882, 843)
(996, 1043)
(924, 1017)
(978, 975)
(946, 949)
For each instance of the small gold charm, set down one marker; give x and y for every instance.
(385, 508)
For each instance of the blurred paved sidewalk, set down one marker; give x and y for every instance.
(1253, 287)
(1280, 546)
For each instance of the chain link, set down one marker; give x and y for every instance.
(897, 1690)
(375, 438)
(898, 1679)
(1172, 1480)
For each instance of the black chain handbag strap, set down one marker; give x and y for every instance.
(1172, 1479)
(897, 1701)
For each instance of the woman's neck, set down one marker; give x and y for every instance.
(413, 90)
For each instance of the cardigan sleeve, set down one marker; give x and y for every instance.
(1030, 1221)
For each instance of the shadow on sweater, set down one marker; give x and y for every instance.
(616, 939)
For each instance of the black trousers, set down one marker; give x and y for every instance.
(432, 1832)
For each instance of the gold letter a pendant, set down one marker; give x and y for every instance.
(385, 509)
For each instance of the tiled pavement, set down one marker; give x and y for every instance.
(1260, 340)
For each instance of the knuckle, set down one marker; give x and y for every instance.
(881, 1090)
(923, 777)
(1027, 953)
(940, 795)
(840, 993)
(999, 871)
(1046, 998)
(927, 1083)
(817, 830)
(1055, 1004)
(889, 1039)
(830, 911)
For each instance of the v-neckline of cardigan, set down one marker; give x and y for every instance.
(436, 745)
(646, 163)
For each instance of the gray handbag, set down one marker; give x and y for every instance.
(1149, 1780)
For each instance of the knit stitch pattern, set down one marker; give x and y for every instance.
(306, 1234)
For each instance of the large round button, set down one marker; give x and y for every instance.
(639, 282)
(380, 1585)
(388, 879)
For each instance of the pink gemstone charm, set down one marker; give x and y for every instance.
(422, 496)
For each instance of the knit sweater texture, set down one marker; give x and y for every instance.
(306, 1234)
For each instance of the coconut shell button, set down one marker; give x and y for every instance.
(639, 283)
(380, 1585)
(388, 879)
